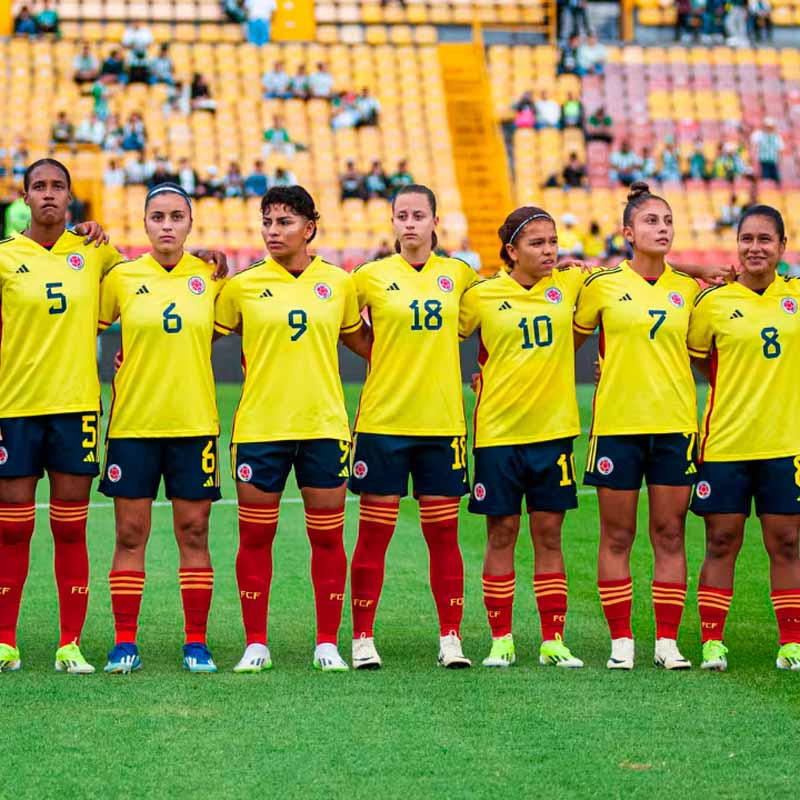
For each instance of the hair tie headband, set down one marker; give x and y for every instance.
(524, 223)
(163, 188)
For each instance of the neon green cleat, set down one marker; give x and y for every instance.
(789, 657)
(556, 654)
(9, 658)
(69, 659)
(714, 653)
(503, 652)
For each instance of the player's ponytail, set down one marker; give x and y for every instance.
(512, 227)
(765, 211)
(638, 194)
(417, 188)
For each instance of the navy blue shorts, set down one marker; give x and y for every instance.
(382, 464)
(53, 442)
(543, 473)
(730, 487)
(622, 462)
(189, 465)
(318, 463)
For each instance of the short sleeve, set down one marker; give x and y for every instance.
(588, 308)
(700, 337)
(109, 299)
(469, 314)
(470, 277)
(351, 314)
(361, 283)
(110, 257)
(227, 309)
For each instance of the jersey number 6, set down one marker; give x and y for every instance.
(171, 321)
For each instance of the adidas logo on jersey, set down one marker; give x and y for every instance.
(736, 314)
(23, 268)
(392, 287)
(142, 290)
(266, 293)
(624, 297)
(504, 306)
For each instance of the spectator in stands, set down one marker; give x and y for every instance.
(344, 113)
(649, 169)
(400, 177)
(234, 181)
(574, 173)
(670, 163)
(383, 251)
(698, 165)
(20, 157)
(466, 254)
(113, 174)
(576, 9)
(235, 11)
(138, 66)
(736, 22)
(178, 100)
(569, 242)
(276, 82)
(376, 183)
(161, 68)
(594, 247)
(62, 131)
(113, 68)
(255, 184)
(259, 21)
(282, 177)
(598, 127)
(626, 164)
(212, 185)
(91, 130)
(683, 18)
(572, 112)
(298, 83)
(548, 112)
(592, 56)
(568, 60)
(134, 135)
(187, 177)
(713, 17)
(47, 19)
(617, 247)
(320, 83)
(525, 116)
(200, 93)
(730, 213)
(101, 92)
(137, 36)
(161, 174)
(368, 108)
(723, 167)
(137, 170)
(759, 20)
(351, 183)
(767, 145)
(18, 213)
(276, 139)
(114, 133)
(85, 66)
(24, 23)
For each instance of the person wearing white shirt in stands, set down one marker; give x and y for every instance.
(468, 255)
(320, 83)
(113, 175)
(91, 130)
(548, 112)
(259, 21)
(137, 36)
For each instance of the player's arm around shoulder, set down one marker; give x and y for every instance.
(469, 315)
(700, 336)
(227, 306)
(354, 333)
(110, 289)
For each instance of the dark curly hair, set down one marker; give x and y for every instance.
(294, 197)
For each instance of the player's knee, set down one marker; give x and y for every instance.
(668, 536)
(192, 533)
(721, 544)
(548, 537)
(782, 545)
(618, 540)
(131, 534)
(502, 534)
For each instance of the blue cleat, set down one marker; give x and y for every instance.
(197, 658)
(123, 659)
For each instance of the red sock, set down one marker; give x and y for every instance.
(126, 600)
(68, 524)
(617, 598)
(498, 597)
(328, 569)
(713, 605)
(16, 529)
(550, 589)
(668, 602)
(197, 586)
(786, 603)
(439, 519)
(258, 525)
(376, 523)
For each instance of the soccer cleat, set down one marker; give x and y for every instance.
(555, 653)
(9, 658)
(714, 653)
(502, 654)
(69, 659)
(668, 656)
(197, 658)
(622, 652)
(365, 656)
(451, 655)
(123, 659)
(256, 658)
(789, 657)
(327, 659)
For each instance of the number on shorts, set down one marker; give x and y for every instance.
(298, 322)
(209, 460)
(345, 449)
(659, 315)
(690, 447)
(432, 319)
(459, 448)
(796, 463)
(59, 297)
(772, 347)
(566, 465)
(171, 321)
(89, 427)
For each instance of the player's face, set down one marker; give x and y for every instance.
(760, 248)
(413, 221)
(167, 222)
(651, 230)
(48, 195)
(285, 232)
(535, 250)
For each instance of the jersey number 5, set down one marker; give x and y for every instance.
(60, 299)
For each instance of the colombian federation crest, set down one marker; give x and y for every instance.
(114, 473)
(3, 455)
(605, 466)
(553, 295)
(445, 283)
(360, 469)
(197, 285)
(244, 472)
(323, 291)
(703, 490)
(479, 492)
(676, 298)
(789, 305)
(75, 261)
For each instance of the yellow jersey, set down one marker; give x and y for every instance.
(48, 324)
(413, 387)
(165, 386)
(646, 384)
(526, 389)
(290, 327)
(754, 344)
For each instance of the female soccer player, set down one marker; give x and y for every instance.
(49, 402)
(291, 309)
(644, 422)
(526, 416)
(747, 335)
(163, 421)
(411, 420)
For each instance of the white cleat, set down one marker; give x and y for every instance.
(668, 656)
(451, 656)
(622, 653)
(365, 656)
(327, 659)
(256, 658)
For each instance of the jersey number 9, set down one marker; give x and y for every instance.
(298, 322)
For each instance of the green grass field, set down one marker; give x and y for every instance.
(411, 729)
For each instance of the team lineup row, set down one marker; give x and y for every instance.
(291, 309)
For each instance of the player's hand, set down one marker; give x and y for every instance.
(473, 384)
(717, 275)
(571, 261)
(93, 232)
(218, 259)
(117, 360)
